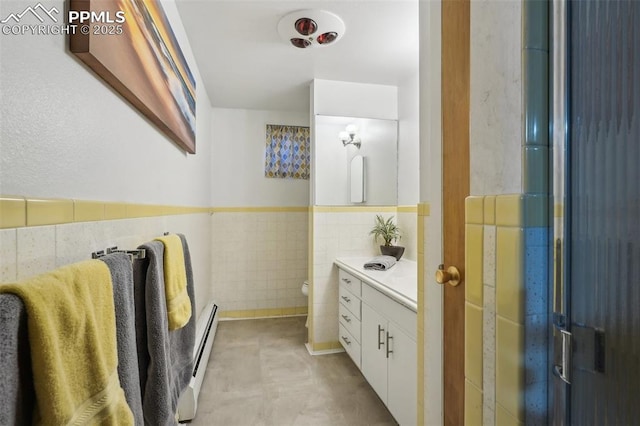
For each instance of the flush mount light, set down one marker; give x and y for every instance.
(311, 28)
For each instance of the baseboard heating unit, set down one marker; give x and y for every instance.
(205, 333)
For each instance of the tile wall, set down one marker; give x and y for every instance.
(342, 232)
(506, 310)
(507, 262)
(259, 261)
(38, 236)
(407, 222)
(252, 261)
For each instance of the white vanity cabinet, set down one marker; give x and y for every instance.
(389, 353)
(378, 329)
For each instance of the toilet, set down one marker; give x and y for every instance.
(305, 291)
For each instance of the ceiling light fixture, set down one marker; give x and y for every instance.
(349, 136)
(311, 28)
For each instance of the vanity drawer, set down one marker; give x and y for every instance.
(348, 300)
(350, 282)
(349, 321)
(350, 344)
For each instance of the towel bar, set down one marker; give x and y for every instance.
(133, 254)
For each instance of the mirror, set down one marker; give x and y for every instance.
(334, 151)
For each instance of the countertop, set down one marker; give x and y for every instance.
(400, 282)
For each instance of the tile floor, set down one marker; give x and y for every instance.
(260, 373)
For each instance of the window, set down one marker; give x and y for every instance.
(287, 153)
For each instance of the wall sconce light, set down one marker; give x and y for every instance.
(349, 136)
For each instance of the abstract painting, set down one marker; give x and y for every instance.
(131, 45)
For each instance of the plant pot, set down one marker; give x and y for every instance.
(395, 251)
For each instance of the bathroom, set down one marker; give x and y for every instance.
(81, 170)
(91, 172)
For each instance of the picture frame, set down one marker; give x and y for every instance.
(130, 44)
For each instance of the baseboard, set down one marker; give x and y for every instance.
(324, 351)
(265, 317)
(264, 313)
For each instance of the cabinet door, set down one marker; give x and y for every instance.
(374, 360)
(402, 378)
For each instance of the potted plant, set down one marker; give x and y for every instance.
(389, 232)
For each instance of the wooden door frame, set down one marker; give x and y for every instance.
(455, 188)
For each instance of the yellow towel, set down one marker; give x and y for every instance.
(175, 282)
(72, 335)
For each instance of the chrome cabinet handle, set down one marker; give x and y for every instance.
(347, 341)
(346, 318)
(346, 299)
(389, 351)
(380, 342)
(346, 280)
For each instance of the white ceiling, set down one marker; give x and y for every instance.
(245, 64)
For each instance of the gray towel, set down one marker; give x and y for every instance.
(380, 263)
(122, 279)
(165, 358)
(17, 396)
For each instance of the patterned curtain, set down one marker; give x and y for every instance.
(287, 152)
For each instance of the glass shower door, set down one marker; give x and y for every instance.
(597, 291)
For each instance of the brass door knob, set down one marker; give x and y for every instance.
(451, 276)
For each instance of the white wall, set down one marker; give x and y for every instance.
(431, 193)
(342, 98)
(238, 161)
(409, 141)
(495, 132)
(66, 134)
